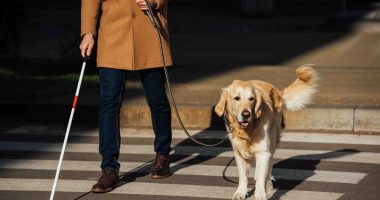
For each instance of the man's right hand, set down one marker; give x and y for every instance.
(87, 44)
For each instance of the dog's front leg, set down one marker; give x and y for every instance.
(261, 173)
(243, 169)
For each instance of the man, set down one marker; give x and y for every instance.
(127, 41)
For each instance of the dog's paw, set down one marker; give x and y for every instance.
(238, 196)
(260, 195)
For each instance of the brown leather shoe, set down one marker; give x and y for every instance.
(161, 167)
(107, 182)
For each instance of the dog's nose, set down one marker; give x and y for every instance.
(246, 114)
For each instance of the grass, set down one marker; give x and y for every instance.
(15, 87)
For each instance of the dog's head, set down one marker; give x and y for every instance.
(242, 101)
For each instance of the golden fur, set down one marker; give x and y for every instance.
(257, 136)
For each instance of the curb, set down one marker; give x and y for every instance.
(366, 119)
(351, 119)
(315, 118)
(193, 117)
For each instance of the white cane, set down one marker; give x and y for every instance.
(68, 128)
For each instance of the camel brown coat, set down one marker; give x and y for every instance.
(127, 39)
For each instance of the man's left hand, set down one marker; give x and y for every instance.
(142, 4)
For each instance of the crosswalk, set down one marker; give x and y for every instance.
(307, 166)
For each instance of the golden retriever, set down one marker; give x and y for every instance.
(253, 114)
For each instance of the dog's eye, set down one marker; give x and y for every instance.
(237, 98)
(251, 98)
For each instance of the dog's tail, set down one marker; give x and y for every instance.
(298, 94)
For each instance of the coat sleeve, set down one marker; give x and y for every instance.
(161, 3)
(89, 16)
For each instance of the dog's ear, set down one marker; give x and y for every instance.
(258, 102)
(221, 106)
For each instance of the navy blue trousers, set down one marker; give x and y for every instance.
(112, 86)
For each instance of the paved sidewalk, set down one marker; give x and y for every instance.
(211, 54)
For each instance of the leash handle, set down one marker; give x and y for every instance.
(151, 17)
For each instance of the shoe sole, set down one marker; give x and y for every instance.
(159, 177)
(97, 190)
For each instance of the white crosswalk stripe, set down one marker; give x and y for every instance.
(358, 157)
(207, 134)
(150, 189)
(207, 189)
(197, 170)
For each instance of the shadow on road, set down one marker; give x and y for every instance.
(308, 162)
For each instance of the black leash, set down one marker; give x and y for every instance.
(151, 17)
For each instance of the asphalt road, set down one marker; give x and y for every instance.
(307, 166)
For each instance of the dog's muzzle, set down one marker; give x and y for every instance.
(244, 119)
